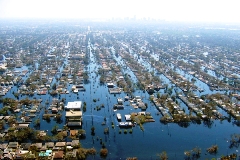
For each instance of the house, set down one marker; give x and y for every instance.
(25, 146)
(54, 110)
(73, 132)
(38, 145)
(13, 145)
(60, 144)
(7, 155)
(2, 135)
(75, 106)
(44, 148)
(142, 106)
(120, 100)
(58, 155)
(74, 118)
(49, 144)
(22, 125)
(114, 90)
(47, 153)
(3, 146)
(43, 154)
(110, 85)
(128, 117)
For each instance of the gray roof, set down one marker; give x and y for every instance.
(26, 146)
(12, 144)
(49, 144)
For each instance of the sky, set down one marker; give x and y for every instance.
(171, 10)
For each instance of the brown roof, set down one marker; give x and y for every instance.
(58, 155)
(44, 148)
(60, 144)
(73, 132)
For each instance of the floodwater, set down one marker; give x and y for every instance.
(155, 138)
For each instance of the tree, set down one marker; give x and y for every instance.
(24, 134)
(58, 118)
(102, 79)
(163, 155)
(54, 129)
(158, 95)
(213, 149)
(187, 154)
(84, 107)
(196, 152)
(37, 122)
(33, 149)
(82, 153)
(4, 111)
(47, 118)
(54, 86)
(103, 152)
(81, 133)
(85, 76)
(60, 136)
(92, 151)
(2, 123)
(92, 130)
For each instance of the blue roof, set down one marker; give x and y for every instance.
(48, 151)
(43, 154)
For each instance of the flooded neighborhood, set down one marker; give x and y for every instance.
(124, 89)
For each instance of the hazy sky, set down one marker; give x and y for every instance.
(180, 10)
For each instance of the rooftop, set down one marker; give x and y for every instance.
(73, 113)
(74, 105)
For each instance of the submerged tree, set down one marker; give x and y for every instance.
(103, 152)
(196, 152)
(37, 122)
(213, 149)
(93, 130)
(163, 155)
